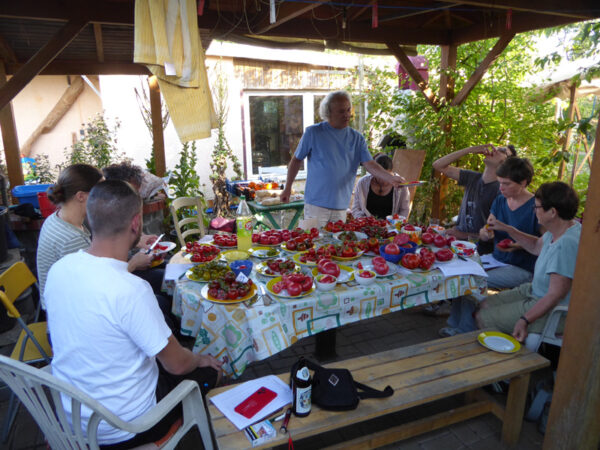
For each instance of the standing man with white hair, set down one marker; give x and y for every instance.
(334, 152)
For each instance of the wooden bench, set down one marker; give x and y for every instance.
(419, 374)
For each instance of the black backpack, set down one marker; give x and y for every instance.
(335, 389)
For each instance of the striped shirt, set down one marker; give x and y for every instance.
(57, 239)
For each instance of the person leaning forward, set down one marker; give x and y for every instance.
(107, 329)
(334, 151)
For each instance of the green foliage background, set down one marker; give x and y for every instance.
(503, 108)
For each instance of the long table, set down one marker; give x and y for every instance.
(240, 334)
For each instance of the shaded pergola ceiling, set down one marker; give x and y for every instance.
(105, 43)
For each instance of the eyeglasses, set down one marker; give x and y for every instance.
(535, 207)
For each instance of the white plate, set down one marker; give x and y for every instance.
(346, 274)
(170, 246)
(393, 269)
(261, 252)
(359, 236)
(499, 342)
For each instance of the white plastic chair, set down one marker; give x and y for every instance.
(548, 334)
(41, 393)
(181, 205)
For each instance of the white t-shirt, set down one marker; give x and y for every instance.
(106, 329)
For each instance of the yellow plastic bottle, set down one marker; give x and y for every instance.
(244, 226)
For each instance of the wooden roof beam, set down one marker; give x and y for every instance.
(476, 76)
(99, 41)
(549, 7)
(418, 13)
(287, 12)
(403, 59)
(86, 68)
(41, 59)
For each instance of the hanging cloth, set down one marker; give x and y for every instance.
(167, 41)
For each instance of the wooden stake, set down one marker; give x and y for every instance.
(157, 126)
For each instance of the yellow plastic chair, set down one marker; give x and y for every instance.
(182, 226)
(32, 345)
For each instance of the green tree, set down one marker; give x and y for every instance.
(97, 145)
(499, 110)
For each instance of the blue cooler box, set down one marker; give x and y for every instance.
(28, 193)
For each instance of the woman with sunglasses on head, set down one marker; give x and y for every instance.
(375, 197)
(64, 230)
(525, 308)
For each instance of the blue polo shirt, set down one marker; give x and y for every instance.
(333, 157)
(523, 219)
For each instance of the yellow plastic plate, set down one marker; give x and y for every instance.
(284, 293)
(499, 342)
(210, 298)
(351, 258)
(296, 259)
(262, 267)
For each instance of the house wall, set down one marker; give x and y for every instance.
(33, 104)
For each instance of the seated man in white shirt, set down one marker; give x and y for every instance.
(107, 329)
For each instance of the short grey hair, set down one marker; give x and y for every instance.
(324, 108)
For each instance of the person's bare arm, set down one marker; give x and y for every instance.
(139, 261)
(380, 173)
(293, 168)
(557, 290)
(443, 164)
(179, 360)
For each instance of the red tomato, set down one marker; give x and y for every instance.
(264, 239)
(505, 243)
(330, 268)
(409, 227)
(450, 239)
(291, 245)
(439, 240)
(348, 252)
(294, 289)
(274, 240)
(411, 261)
(444, 254)
(381, 269)
(365, 274)
(392, 249)
(401, 239)
(427, 238)
(255, 238)
(327, 279)
(307, 284)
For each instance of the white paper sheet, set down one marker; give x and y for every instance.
(460, 267)
(228, 400)
(174, 271)
(489, 262)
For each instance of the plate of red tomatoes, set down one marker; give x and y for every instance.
(225, 240)
(163, 247)
(329, 267)
(295, 285)
(380, 266)
(418, 262)
(201, 253)
(277, 267)
(227, 290)
(298, 244)
(307, 258)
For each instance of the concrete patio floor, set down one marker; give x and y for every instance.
(366, 337)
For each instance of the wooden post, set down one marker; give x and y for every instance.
(573, 421)
(157, 127)
(448, 62)
(10, 138)
(571, 114)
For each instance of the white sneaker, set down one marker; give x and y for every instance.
(448, 331)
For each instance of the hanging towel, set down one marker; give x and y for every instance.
(168, 43)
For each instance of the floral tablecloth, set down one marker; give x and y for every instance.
(239, 334)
